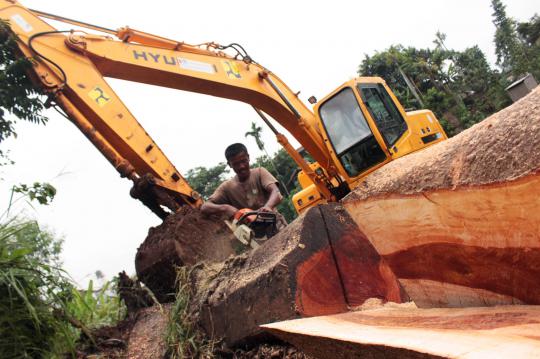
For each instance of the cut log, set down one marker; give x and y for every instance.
(184, 238)
(459, 222)
(319, 264)
(489, 332)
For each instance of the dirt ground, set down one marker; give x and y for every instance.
(269, 351)
(141, 337)
(111, 342)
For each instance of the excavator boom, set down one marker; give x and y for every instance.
(71, 66)
(356, 129)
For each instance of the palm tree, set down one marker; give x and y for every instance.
(256, 134)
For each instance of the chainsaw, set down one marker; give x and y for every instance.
(253, 228)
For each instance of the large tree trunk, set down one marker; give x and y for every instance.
(319, 264)
(459, 222)
(456, 224)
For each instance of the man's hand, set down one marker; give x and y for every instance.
(274, 198)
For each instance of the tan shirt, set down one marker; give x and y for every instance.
(252, 193)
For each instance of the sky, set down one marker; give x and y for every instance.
(313, 46)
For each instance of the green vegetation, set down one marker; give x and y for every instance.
(33, 291)
(42, 314)
(96, 308)
(529, 34)
(458, 86)
(181, 337)
(206, 180)
(18, 96)
(516, 45)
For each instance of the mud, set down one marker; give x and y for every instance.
(503, 147)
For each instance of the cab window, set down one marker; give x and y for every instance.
(384, 112)
(349, 133)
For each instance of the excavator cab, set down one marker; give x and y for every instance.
(364, 126)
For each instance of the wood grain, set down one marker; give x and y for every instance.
(494, 332)
(459, 222)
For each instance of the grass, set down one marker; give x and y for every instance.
(41, 312)
(96, 308)
(182, 338)
(31, 288)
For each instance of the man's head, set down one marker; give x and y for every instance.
(238, 158)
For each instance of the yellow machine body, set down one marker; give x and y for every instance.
(364, 126)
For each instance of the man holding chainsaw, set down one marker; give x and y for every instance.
(254, 189)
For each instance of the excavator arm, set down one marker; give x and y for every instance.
(71, 66)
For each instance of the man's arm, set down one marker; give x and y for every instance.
(209, 208)
(274, 198)
(218, 203)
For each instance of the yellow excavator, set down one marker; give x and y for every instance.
(356, 129)
(485, 249)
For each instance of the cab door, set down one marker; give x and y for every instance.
(354, 141)
(384, 112)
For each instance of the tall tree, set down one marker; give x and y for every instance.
(255, 132)
(529, 34)
(289, 186)
(206, 180)
(511, 56)
(459, 86)
(529, 31)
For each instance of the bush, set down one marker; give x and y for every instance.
(32, 291)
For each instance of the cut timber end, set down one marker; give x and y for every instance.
(471, 246)
(495, 332)
(362, 273)
(459, 223)
(305, 270)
